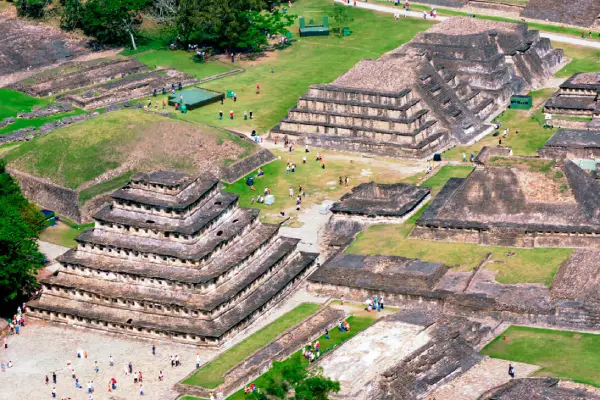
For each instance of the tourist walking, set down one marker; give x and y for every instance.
(198, 355)
(511, 371)
(111, 361)
(5, 343)
(153, 350)
(130, 367)
(54, 377)
(47, 380)
(177, 363)
(161, 376)
(54, 392)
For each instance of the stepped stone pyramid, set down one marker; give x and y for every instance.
(173, 257)
(440, 89)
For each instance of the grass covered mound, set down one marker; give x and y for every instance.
(562, 354)
(113, 144)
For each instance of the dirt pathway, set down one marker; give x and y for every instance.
(415, 14)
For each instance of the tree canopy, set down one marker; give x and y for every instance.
(233, 24)
(297, 383)
(20, 224)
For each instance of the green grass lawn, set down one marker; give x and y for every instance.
(319, 184)
(563, 354)
(81, 152)
(309, 60)
(357, 325)
(211, 374)
(584, 59)
(182, 61)
(513, 265)
(37, 122)
(437, 181)
(14, 102)
(530, 124)
(63, 234)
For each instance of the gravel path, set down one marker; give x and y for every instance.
(414, 14)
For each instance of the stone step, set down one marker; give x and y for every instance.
(362, 121)
(346, 131)
(361, 109)
(85, 288)
(194, 330)
(243, 249)
(360, 95)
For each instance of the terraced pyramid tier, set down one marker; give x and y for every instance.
(173, 257)
(440, 89)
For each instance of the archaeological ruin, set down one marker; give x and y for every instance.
(577, 96)
(572, 144)
(440, 89)
(370, 203)
(380, 203)
(27, 46)
(532, 204)
(173, 257)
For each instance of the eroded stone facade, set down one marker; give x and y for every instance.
(173, 257)
(439, 89)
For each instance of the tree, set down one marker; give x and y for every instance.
(163, 11)
(31, 8)
(20, 225)
(340, 14)
(113, 21)
(72, 14)
(232, 25)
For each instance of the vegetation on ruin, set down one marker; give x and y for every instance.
(125, 140)
(20, 225)
(106, 186)
(512, 265)
(563, 354)
(296, 361)
(211, 375)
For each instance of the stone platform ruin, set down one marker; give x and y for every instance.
(437, 90)
(370, 203)
(27, 46)
(173, 258)
(577, 96)
(572, 144)
(521, 205)
(83, 74)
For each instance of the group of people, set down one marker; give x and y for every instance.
(15, 324)
(312, 351)
(112, 383)
(375, 303)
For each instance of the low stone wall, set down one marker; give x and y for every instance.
(508, 238)
(243, 167)
(49, 195)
